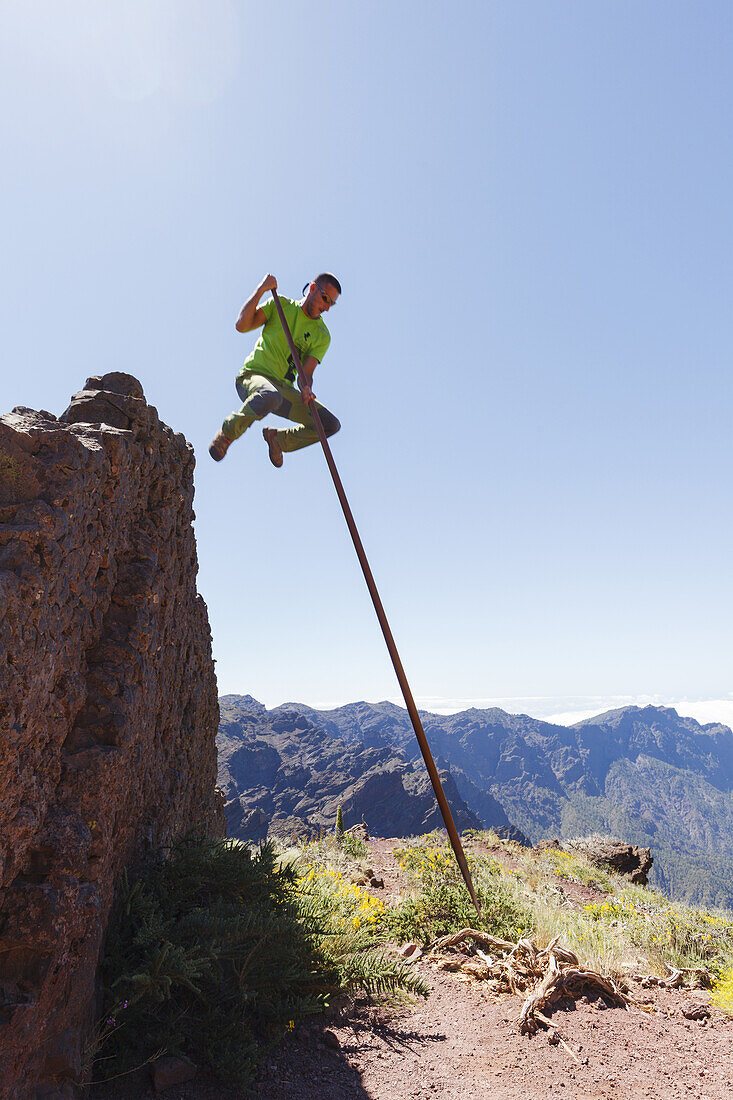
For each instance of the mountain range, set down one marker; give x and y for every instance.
(643, 774)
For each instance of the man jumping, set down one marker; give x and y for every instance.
(267, 381)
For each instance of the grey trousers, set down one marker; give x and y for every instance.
(261, 395)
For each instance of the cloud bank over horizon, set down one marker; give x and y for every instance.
(567, 711)
(560, 710)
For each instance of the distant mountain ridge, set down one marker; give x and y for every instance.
(281, 772)
(642, 773)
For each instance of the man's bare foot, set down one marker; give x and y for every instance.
(270, 437)
(219, 446)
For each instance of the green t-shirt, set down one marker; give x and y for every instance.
(271, 354)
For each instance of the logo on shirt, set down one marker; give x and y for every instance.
(302, 349)
(291, 373)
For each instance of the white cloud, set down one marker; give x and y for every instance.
(707, 710)
(565, 711)
(560, 710)
(570, 717)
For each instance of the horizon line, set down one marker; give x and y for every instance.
(564, 710)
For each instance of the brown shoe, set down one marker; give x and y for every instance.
(219, 446)
(270, 437)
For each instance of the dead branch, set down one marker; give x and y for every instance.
(541, 976)
(482, 938)
(563, 980)
(549, 1024)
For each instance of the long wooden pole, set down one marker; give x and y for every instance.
(381, 616)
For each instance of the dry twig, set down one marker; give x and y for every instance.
(548, 974)
(549, 1024)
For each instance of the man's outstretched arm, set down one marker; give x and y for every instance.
(250, 316)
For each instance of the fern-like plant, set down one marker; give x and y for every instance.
(214, 951)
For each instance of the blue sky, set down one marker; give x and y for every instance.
(528, 205)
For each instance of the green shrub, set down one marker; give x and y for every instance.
(441, 903)
(354, 846)
(686, 937)
(722, 994)
(214, 951)
(574, 867)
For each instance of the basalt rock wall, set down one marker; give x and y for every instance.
(108, 702)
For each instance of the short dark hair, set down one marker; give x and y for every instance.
(327, 277)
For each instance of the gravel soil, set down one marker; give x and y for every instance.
(463, 1042)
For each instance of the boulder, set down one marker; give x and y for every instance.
(606, 851)
(171, 1070)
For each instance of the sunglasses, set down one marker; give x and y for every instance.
(326, 297)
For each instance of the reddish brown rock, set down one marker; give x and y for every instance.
(169, 1071)
(698, 1010)
(626, 859)
(108, 703)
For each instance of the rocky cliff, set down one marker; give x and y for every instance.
(108, 704)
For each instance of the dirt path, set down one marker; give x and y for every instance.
(463, 1042)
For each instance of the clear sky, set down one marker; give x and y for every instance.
(529, 207)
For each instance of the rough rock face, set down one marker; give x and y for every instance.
(401, 801)
(108, 704)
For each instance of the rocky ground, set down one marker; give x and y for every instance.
(464, 1042)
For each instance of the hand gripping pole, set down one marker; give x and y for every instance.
(409, 701)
